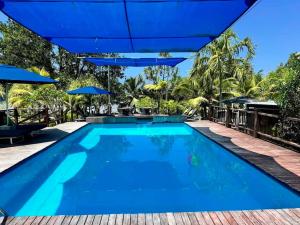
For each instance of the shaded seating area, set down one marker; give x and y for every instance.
(19, 131)
(14, 128)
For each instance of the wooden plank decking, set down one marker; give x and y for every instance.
(254, 217)
(277, 161)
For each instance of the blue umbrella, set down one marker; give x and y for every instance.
(11, 74)
(89, 90)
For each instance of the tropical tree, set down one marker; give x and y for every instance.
(155, 74)
(220, 60)
(22, 48)
(134, 86)
(184, 88)
(156, 90)
(37, 96)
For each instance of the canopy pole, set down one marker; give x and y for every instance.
(108, 87)
(6, 100)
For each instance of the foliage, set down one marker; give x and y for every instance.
(156, 87)
(289, 95)
(49, 96)
(146, 102)
(226, 57)
(283, 85)
(20, 95)
(28, 95)
(134, 86)
(197, 102)
(184, 89)
(22, 48)
(171, 107)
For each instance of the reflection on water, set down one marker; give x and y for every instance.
(130, 168)
(163, 143)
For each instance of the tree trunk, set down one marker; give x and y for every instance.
(220, 88)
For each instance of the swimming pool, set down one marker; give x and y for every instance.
(133, 168)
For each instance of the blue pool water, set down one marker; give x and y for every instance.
(131, 168)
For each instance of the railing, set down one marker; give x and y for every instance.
(25, 116)
(258, 124)
(41, 116)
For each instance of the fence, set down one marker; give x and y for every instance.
(258, 124)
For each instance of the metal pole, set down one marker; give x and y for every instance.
(108, 86)
(6, 96)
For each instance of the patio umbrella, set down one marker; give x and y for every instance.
(89, 90)
(11, 74)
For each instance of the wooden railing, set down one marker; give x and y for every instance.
(40, 117)
(19, 116)
(253, 122)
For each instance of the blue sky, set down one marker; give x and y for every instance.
(273, 26)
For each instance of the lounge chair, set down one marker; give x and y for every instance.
(186, 112)
(18, 131)
(192, 115)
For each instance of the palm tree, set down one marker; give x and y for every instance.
(219, 60)
(183, 89)
(134, 86)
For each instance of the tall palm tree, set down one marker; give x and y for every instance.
(134, 86)
(219, 60)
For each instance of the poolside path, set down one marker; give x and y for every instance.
(281, 163)
(12, 154)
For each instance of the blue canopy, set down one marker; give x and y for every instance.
(95, 26)
(11, 74)
(89, 90)
(135, 62)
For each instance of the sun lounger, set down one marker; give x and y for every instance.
(192, 115)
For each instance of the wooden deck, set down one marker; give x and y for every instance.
(277, 161)
(254, 217)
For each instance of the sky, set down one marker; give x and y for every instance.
(272, 25)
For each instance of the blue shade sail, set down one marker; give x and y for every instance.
(89, 90)
(135, 62)
(95, 26)
(11, 74)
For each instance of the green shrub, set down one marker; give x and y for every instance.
(171, 107)
(146, 102)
